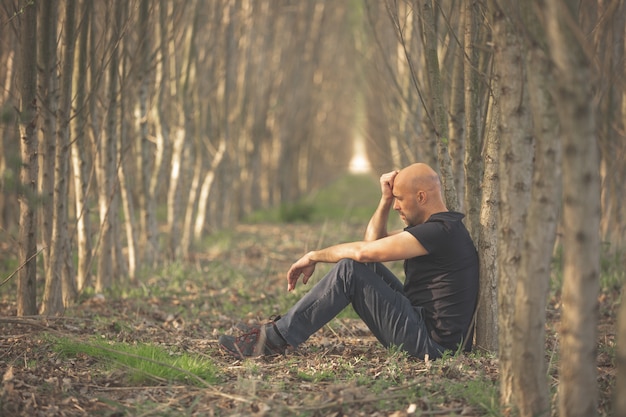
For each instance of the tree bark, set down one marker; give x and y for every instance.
(52, 303)
(457, 116)
(27, 238)
(515, 172)
(439, 112)
(9, 156)
(60, 289)
(127, 202)
(107, 158)
(79, 152)
(581, 210)
(48, 103)
(619, 399)
(125, 172)
(609, 36)
(144, 154)
(487, 243)
(162, 137)
(473, 103)
(530, 380)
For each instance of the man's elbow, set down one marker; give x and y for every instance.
(364, 255)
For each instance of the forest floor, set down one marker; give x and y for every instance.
(240, 277)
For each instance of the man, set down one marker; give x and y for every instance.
(431, 313)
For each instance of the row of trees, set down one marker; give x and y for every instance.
(215, 108)
(211, 109)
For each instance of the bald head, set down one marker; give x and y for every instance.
(419, 177)
(417, 192)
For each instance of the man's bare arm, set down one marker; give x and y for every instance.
(377, 226)
(391, 248)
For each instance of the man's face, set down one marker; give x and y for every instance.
(406, 204)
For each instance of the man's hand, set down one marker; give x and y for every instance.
(303, 266)
(377, 226)
(386, 184)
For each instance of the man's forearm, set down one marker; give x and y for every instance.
(377, 226)
(338, 252)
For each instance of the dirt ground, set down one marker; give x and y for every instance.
(341, 370)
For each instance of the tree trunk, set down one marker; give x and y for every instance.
(487, 310)
(192, 204)
(457, 119)
(48, 103)
(125, 173)
(174, 203)
(473, 164)
(27, 196)
(619, 399)
(190, 104)
(530, 380)
(144, 154)
(609, 37)
(106, 169)
(439, 112)
(114, 126)
(80, 154)
(581, 211)
(205, 189)
(60, 288)
(515, 171)
(9, 156)
(174, 117)
(127, 201)
(162, 139)
(52, 303)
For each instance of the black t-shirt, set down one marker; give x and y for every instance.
(445, 281)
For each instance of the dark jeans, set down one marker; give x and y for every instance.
(377, 297)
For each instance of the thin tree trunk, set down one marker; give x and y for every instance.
(174, 204)
(192, 130)
(7, 85)
(487, 310)
(619, 399)
(48, 103)
(27, 238)
(52, 302)
(609, 37)
(124, 173)
(106, 168)
(70, 291)
(127, 203)
(162, 137)
(79, 152)
(205, 189)
(530, 379)
(114, 123)
(192, 203)
(515, 171)
(144, 156)
(581, 211)
(439, 112)
(171, 115)
(60, 288)
(457, 118)
(96, 68)
(472, 163)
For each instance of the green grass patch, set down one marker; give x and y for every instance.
(482, 394)
(144, 363)
(351, 198)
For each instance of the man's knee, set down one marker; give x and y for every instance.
(349, 271)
